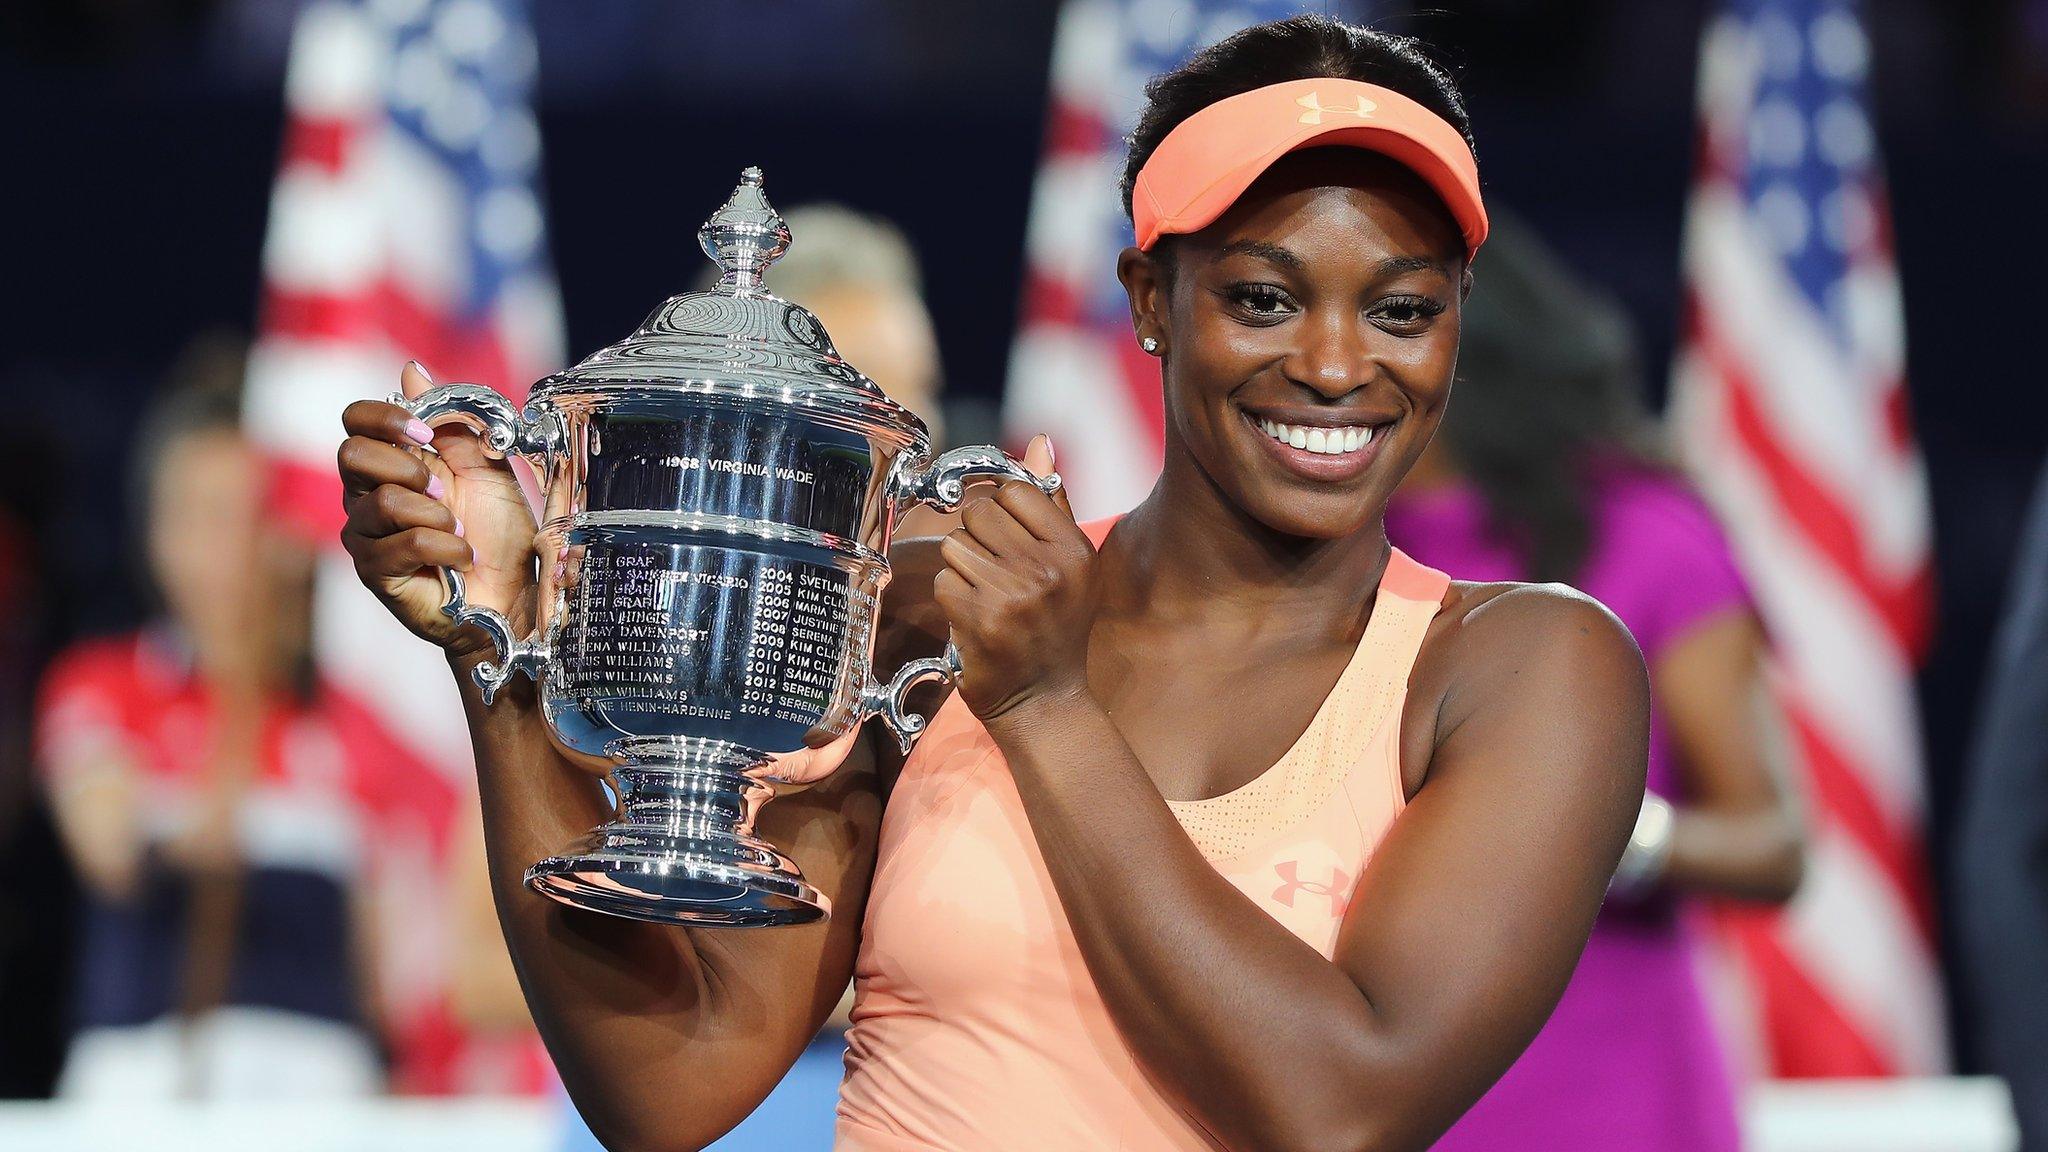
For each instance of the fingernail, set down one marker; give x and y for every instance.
(561, 571)
(421, 369)
(418, 432)
(1051, 458)
(435, 488)
(458, 525)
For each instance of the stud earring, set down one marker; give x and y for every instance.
(1150, 345)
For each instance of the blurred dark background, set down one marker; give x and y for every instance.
(143, 137)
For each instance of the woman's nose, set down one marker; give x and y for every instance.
(1333, 358)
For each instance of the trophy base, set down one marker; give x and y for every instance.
(683, 852)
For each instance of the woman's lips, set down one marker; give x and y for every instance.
(1328, 452)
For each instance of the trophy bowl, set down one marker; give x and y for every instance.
(718, 493)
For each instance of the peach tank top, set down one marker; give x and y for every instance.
(975, 1022)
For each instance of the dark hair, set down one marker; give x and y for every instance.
(1548, 400)
(1297, 48)
(200, 395)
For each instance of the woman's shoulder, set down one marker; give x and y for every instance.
(1552, 627)
(112, 663)
(1538, 659)
(1522, 610)
(94, 694)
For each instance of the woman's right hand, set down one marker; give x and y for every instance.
(410, 510)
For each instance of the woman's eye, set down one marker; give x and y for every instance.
(1408, 312)
(1259, 299)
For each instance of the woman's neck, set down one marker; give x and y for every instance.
(1188, 552)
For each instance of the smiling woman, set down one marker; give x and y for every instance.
(1241, 828)
(1253, 832)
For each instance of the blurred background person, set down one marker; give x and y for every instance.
(859, 275)
(220, 803)
(1546, 471)
(2000, 888)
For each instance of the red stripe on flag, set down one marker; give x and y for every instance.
(305, 498)
(1846, 800)
(1898, 418)
(1050, 300)
(319, 143)
(1072, 131)
(1806, 1032)
(1901, 607)
(451, 349)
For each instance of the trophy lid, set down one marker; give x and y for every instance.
(739, 339)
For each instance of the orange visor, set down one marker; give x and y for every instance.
(1207, 162)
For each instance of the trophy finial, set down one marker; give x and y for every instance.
(745, 236)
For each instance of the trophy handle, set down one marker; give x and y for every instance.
(942, 483)
(888, 702)
(505, 432)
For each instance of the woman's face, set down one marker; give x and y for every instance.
(203, 505)
(1310, 336)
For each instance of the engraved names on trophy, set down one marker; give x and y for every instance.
(802, 618)
(632, 639)
(766, 637)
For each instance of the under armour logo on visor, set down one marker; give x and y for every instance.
(1314, 103)
(1337, 891)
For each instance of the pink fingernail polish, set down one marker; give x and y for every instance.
(422, 370)
(458, 526)
(435, 488)
(418, 432)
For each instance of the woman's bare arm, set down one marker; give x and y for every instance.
(1529, 706)
(96, 802)
(665, 1037)
(1739, 830)
(1463, 934)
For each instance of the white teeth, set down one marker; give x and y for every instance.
(1325, 441)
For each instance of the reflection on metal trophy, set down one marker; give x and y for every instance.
(720, 487)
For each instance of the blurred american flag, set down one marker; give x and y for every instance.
(405, 223)
(1790, 405)
(1076, 371)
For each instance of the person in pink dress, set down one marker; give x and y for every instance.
(1545, 471)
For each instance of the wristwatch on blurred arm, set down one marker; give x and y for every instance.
(1648, 853)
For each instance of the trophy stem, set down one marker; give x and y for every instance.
(689, 803)
(683, 848)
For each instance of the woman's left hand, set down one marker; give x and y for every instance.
(1019, 592)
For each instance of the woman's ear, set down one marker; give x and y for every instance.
(1144, 283)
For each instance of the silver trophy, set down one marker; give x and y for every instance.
(719, 492)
